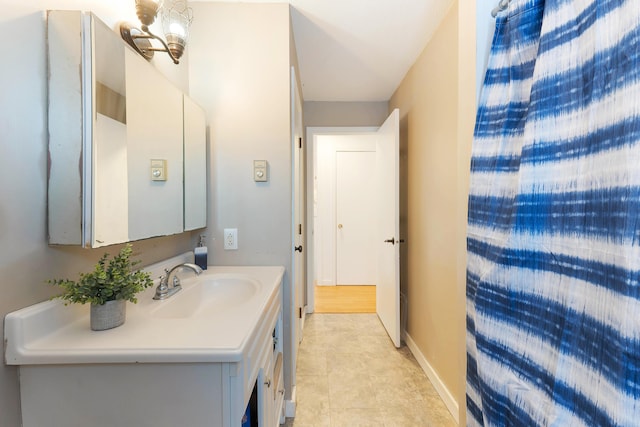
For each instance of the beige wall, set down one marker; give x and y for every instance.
(336, 114)
(436, 102)
(26, 260)
(467, 81)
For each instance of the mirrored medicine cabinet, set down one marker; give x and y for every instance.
(127, 149)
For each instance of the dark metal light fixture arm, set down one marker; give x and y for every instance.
(153, 36)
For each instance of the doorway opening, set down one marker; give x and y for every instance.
(329, 161)
(353, 214)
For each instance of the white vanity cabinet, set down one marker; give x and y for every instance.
(158, 395)
(196, 371)
(273, 391)
(270, 384)
(262, 369)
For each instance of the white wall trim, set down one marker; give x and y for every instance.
(290, 405)
(443, 391)
(304, 319)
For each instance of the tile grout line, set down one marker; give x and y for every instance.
(361, 325)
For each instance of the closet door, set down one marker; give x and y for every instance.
(356, 216)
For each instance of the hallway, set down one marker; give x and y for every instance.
(349, 374)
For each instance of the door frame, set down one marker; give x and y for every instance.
(311, 135)
(298, 216)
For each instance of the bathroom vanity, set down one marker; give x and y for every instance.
(193, 360)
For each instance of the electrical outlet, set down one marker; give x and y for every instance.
(230, 239)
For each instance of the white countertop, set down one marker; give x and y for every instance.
(52, 333)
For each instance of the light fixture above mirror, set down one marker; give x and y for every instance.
(176, 18)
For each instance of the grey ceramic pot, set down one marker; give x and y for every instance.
(108, 315)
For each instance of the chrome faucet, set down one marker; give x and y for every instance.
(164, 291)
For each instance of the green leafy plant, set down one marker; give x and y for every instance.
(109, 281)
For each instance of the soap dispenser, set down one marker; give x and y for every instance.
(200, 254)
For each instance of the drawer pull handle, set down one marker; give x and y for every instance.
(268, 382)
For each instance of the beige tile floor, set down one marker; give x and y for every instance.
(349, 374)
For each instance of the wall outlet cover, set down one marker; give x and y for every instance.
(230, 239)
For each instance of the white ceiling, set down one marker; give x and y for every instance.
(359, 50)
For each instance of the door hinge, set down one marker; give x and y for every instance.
(299, 312)
(300, 229)
(300, 142)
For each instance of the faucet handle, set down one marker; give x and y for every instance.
(163, 289)
(163, 282)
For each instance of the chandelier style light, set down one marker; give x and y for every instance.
(176, 18)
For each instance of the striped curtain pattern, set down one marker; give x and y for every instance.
(553, 273)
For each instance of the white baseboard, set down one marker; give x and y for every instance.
(326, 283)
(290, 405)
(443, 391)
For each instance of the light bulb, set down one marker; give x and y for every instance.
(177, 29)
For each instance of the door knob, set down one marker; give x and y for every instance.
(298, 248)
(340, 226)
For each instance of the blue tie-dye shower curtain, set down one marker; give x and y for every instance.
(553, 283)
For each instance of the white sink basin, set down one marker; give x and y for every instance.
(209, 320)
(206, 296)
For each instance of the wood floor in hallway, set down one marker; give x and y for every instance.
(349, 374)
(345, 299)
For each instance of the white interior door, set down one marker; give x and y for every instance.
(388, 183)
(299, 254)
(356, 218)
(298, 233)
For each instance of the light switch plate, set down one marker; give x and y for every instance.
(260, 171)
(158, 170)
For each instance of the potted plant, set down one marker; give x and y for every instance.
(107, 288)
